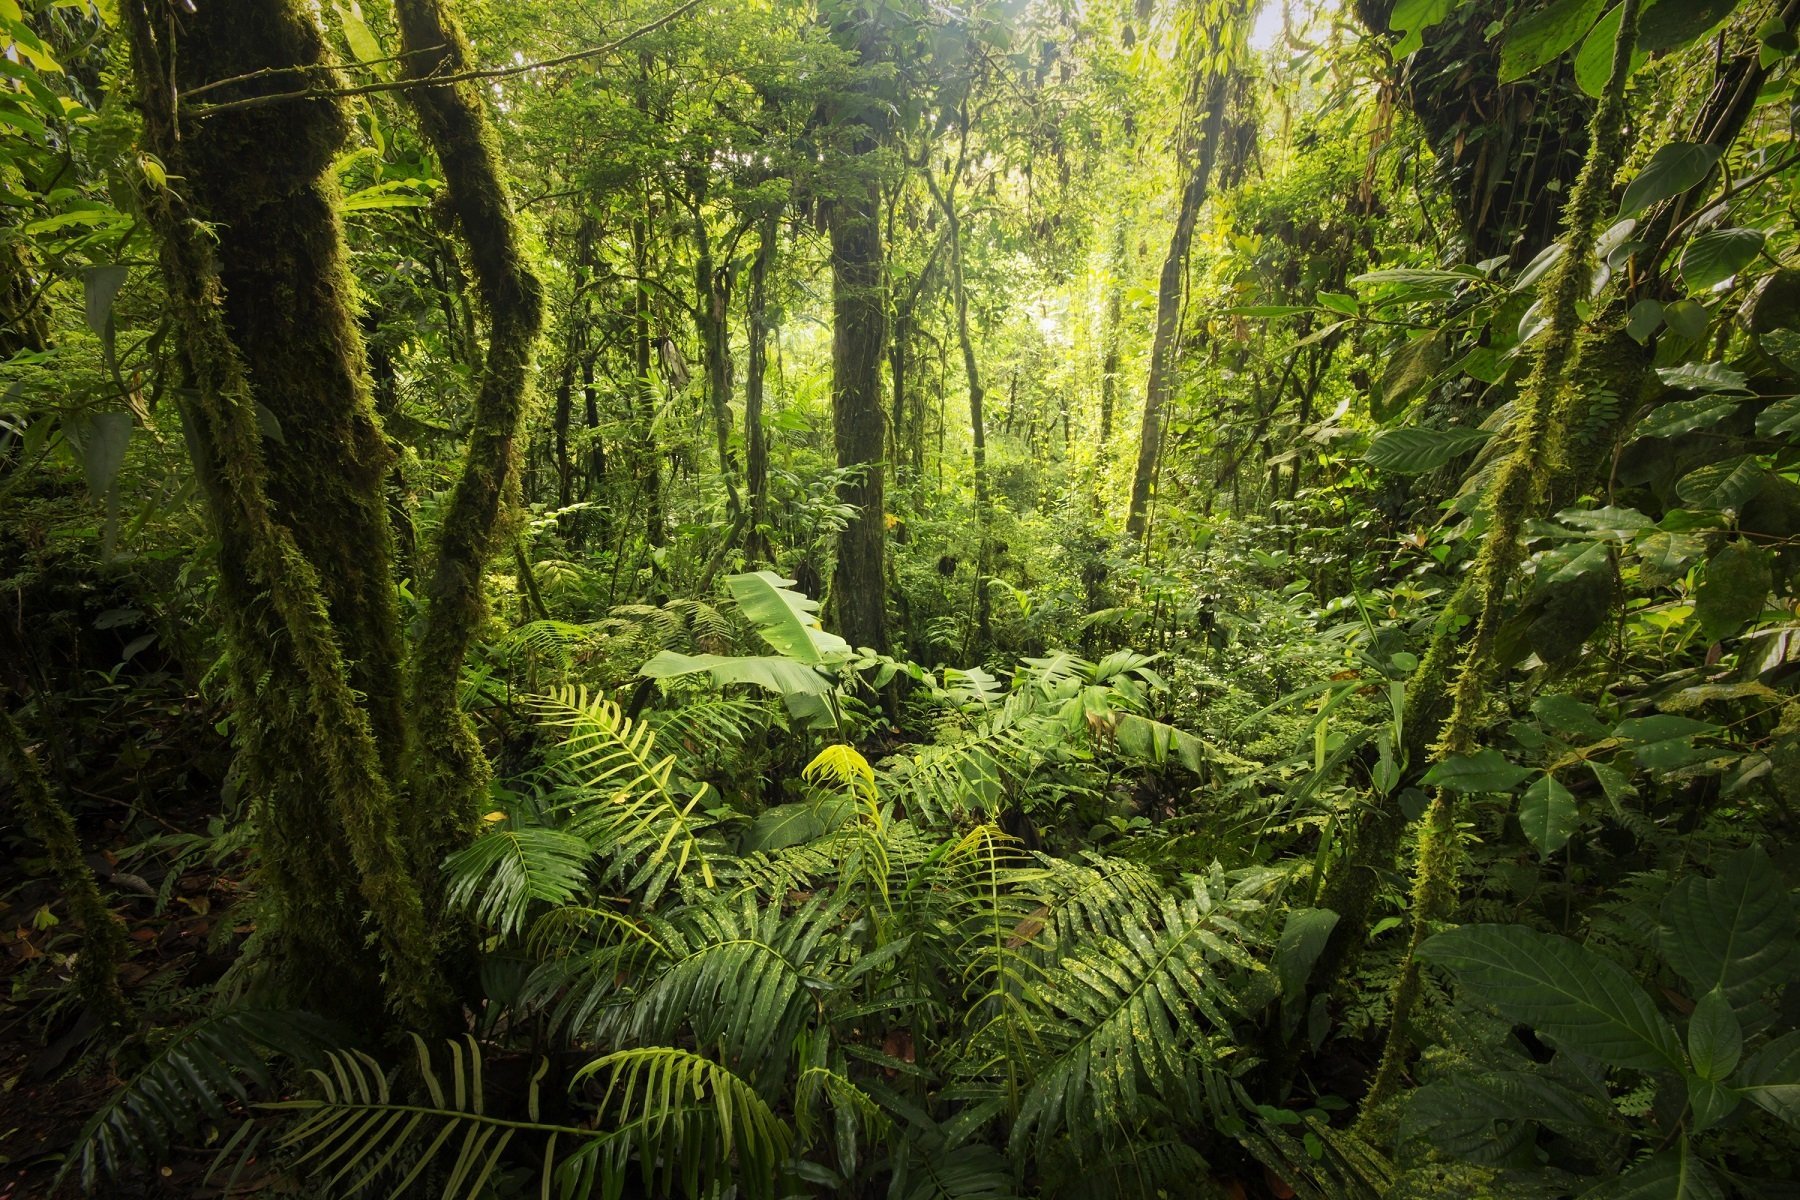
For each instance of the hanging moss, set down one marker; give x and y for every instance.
(314, 749)
(102, 935)
(448, 771)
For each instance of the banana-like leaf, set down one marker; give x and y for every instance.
(787, 620)
(783, 676)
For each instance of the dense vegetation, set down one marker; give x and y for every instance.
(830, 598)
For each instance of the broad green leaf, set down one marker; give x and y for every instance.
(1688, 318)
(1672, 170)
(1665, 741)
(100, 287)
(1715, 1039)
(1665, 555)
(783, 676)
(1684, 416)
(1704, 377)
(1412, 451)
(1734, 932)
(1484, 771)
(1410, 368)
(1303, 938)
(1413, 18)
(1593, 62)
(1711, 1101)
(786, 620)
(1569, 715)
(1645, 318)
(1610, 521)
(1733, 589)
(1672, 1175)
(803, 821)
(1717, 255)
(100, 440)
(1547, 814)
(1568, 993)
(1771, 1078)
(1543, 35)
(1722, 485)
(1779, 418)
(1670, 24)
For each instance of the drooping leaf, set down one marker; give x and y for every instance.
(1771, 1078)
(1410, 368)
(1569, 715)
(1571, 995)
(1672, 170)
(1486, 770)
(1413, 18)
(1670, 24)
(1665, 741)
(1717, 255)
(1704, 377)
(783, 676)
(1715, 1039)
(1593, 62)
(1688, 318)
(1685, 416)
(1541, 36)
(1733, 589)
(1722, 485)
(786, 620)
(1303, 938)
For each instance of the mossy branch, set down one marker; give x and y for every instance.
(1539, 434)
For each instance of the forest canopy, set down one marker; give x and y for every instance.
(900, 598)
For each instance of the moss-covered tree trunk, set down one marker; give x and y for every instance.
(756, 442)
(449, 772)
(858, 344)
(278, 417)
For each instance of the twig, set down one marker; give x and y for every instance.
(396, 85)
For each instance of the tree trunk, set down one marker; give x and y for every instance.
(756, 444)
(260, 304)
(984, 504)
(449, 771)
(712, 310)
(644, 383)
(1206, 102)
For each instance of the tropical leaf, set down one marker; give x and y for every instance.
(1569, 994)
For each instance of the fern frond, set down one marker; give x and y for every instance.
(690, 1122)
(354, 1133)
(497, 876)
(216, 1059)
(1121, 1019)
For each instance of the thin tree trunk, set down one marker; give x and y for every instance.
(1206, 102)
(756, 541)
(644, 384)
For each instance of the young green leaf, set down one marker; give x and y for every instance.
(1547, 814)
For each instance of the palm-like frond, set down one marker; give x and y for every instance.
(216, 1059)
(496, 877)
(355, 1135)
(618, 796)
(1130, 1019)
(689, 1122)
(740, 977)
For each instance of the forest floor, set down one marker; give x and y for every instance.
(178, 951)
